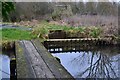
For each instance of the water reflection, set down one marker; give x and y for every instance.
(89, 62)
(8, 26)
(5, 57)
(5, 69)
(5, 66)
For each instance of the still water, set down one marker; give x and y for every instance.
(89, 62)
(5, 64)
(8, 26)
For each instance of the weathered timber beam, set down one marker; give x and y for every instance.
(23, 68)
(56, 68)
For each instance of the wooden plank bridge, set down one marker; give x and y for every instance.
(96, 41)
(34, 61)
(76, 44)
(83, 41)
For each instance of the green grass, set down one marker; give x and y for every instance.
(43, 29)
(95, 32)
(16, 34)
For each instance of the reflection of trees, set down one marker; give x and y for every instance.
(96, 61)
(100, 68)
(79, 60)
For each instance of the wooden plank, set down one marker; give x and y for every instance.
(39, 66)
(23, 68)
(80, 39)
(56, 68)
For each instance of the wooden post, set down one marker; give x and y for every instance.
(13, 75)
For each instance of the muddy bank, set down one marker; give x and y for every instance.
(8, 45)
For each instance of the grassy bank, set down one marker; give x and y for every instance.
(8, 36)
(42, 30)
(16, 34)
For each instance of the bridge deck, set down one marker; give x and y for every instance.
(34, 61)
(80, 39)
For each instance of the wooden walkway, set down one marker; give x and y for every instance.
(34, 61)
(81, 39)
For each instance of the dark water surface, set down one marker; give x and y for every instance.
(89, 61)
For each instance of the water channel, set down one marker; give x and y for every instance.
(8, 26)
(87, 61)
(7, 66)
(7, 57)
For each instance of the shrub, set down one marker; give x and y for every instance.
(95, 32)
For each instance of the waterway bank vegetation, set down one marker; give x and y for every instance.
(73, 20)
(15, 34)
(43, 29)
(10, 35)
